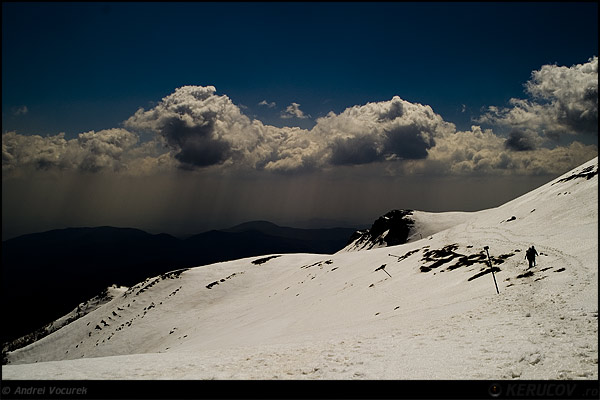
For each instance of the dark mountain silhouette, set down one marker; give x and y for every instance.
(321, 240)
(45, 275)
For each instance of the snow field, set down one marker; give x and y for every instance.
(309, 316)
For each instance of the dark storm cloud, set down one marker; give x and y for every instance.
(405, 142)
(196, 124)
(582, 115)
(400, 142)
(408, 142)
(201, 151)
(354, 151)
(519, 141)
(196, 145)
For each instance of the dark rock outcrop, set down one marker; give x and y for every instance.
(390, 229)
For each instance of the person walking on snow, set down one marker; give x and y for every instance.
(530, 256)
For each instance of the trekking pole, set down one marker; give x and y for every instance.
(383, 269)
(491, 268)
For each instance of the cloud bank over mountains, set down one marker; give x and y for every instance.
(196, 129)
(89, 152)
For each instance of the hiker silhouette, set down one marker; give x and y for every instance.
(530, 256)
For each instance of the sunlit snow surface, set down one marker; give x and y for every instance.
(308, 316)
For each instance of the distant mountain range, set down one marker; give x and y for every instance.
(44, 274)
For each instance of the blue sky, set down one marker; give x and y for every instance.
(235, 75)
(85, 66)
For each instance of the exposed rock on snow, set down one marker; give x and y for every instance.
(389, 230)
(263, 260)
(588, 173)
(403, 226)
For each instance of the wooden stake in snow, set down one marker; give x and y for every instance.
(383, 269)
(491, 268)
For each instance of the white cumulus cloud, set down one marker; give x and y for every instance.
(89, 152)
(20, 110)
(381, 131)
(267, 104)
(194, 128)
(200, 127)
(293, 111)
(564, 101)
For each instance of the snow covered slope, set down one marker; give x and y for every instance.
(427, 309)
(82, 309)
